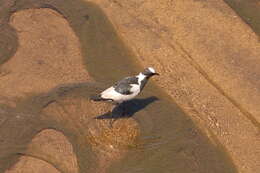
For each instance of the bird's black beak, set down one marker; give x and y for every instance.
(156, 74)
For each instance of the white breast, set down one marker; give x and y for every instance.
(110, 93)
(135, 88)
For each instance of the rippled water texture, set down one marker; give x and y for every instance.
(249, 11)
(156, 136)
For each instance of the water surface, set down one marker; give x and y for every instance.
(249, 11)
(169, 140)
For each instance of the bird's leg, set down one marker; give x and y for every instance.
(123, 109)
(113, 119)
(112, 122)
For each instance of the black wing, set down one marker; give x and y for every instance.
(123, 86)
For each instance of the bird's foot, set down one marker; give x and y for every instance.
(111, 122)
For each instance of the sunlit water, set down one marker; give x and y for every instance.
(168, 141)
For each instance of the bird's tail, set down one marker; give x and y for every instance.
(99, 98)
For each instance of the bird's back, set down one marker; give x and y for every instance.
(125, 86)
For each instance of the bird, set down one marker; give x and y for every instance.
(127, 88)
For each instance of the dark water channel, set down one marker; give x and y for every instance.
(169, 140)
(249, 11)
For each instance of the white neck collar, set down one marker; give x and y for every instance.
(140, 76)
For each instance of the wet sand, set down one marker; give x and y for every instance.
(158, 135)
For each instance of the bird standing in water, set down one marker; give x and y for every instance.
(127, 88)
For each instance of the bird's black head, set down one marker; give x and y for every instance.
(149, 72)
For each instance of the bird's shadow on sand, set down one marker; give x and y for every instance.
(128, 109)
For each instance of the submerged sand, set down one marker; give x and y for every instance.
(52, 57)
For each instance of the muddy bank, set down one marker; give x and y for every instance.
(64, 121)
(82, 138)
(207, 51)
(47, 147)
(156, 129)
(68, 111)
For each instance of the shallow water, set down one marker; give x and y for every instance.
(178, 141)
(169, 140)
(249, 11)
